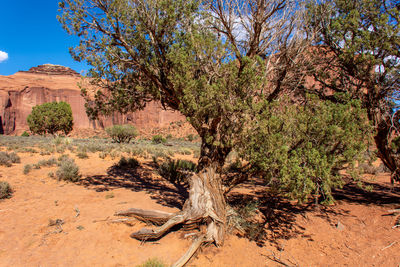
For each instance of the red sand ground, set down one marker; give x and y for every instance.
(293, 235)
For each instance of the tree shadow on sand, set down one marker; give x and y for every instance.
(277, 219)
(139, 179)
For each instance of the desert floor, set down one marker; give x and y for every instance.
(356, 231)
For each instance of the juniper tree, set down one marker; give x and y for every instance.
(51, 118)
(216, 62)
(360, 44)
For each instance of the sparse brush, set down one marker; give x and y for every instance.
(6, 159)
(130, 163)
(82, 155)
(61, 149)
(367, 168)
(63, 158)
(5, 190)
(47, 163)
(154, 262)
(176, 171)
(68, 171)
(158, 139)
(242, 217)
(27, 168)
(103, 155)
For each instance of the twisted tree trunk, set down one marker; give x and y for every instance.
(206, 205)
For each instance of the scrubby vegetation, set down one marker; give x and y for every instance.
(176, 171)
(122, 133)
(68, 170)
(154, 262)
(6, 159)
(128, 163)
(5, 190)
(158, 139)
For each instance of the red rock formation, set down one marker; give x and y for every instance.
(46, 83)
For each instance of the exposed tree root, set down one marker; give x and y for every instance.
(206, 206)
(148, 216)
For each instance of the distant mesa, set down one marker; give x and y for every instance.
(51, 69)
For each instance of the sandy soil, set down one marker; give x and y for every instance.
(353, 232)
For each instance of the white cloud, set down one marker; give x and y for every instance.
(3, 56)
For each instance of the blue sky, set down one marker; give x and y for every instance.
(31, 35)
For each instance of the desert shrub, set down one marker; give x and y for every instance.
(158, 139)
(122, 133)
(6, 159)
(47, 163)
(51, 118)
(5, 190)
(128, 163)
(82, 155)
(190, 137)
(114, 154)
(304, 146)
(241, 217)
(27, 168)
(61, 149)
(153, 263)
(103, 155)
(68, 171)
(25, 134)
(185, 151)
(62, 158)
(169, 136)
(137, 151)
(27, 150)
(368, 168)
(176, 171)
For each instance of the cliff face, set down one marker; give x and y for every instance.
(46, 83)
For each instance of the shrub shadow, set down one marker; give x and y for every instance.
(381, 193)
(139, 179)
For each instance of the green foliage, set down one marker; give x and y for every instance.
(5, 190)
(51, 118)
(176, 171)
(82, 155)
(122, 133)
(154, 262)
(158, 139)
(303, 147)
(360, 40)
(27, 168)
(6, 159)
(25, 134)
(130, 163)
(68, 170)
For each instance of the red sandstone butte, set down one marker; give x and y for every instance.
(46, 83)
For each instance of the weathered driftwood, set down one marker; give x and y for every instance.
(206, 205)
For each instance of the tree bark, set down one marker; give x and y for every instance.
(206, 206)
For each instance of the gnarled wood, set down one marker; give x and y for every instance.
(153, 216)
(206, 205)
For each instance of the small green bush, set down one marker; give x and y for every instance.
(190, 137)
(158, 139)
(122, 133)
(176, 171)
(25, 134)
(153, 263)
(5, 190)
(82, 155)
(130, 163)
(6, 159)
(27, 168)
(68, 171)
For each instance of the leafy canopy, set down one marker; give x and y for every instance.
(51, 118)
(226, 66)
